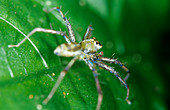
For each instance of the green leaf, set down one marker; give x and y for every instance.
(121, 26)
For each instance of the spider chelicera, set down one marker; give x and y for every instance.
(85, 50)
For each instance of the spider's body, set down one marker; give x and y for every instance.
(87, 46)
(86, 51)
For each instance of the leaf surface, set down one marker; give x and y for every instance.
(25, 82)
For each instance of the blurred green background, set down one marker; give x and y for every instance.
(135, 30)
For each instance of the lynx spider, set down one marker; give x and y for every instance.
(85, 50)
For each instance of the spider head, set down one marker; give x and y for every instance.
(96, 43)
(90, 45)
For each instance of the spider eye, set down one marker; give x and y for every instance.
(100, 44)
(94, 38)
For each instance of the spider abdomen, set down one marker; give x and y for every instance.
(68, 50)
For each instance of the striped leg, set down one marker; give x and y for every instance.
(42, 30)
(95, 74)
(110, 69)
(60, 78)
(109, 60)
(88, 32)
(100, 94)
(71, 33)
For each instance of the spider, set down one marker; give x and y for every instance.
(86, 50)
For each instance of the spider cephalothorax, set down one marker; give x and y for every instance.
(90, 45)
(86, 51)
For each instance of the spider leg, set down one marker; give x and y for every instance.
(42, 30)
(110, 69)
(109, 60)
(95, 74)
(88, 33)
(60, 78)
(71, 33)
